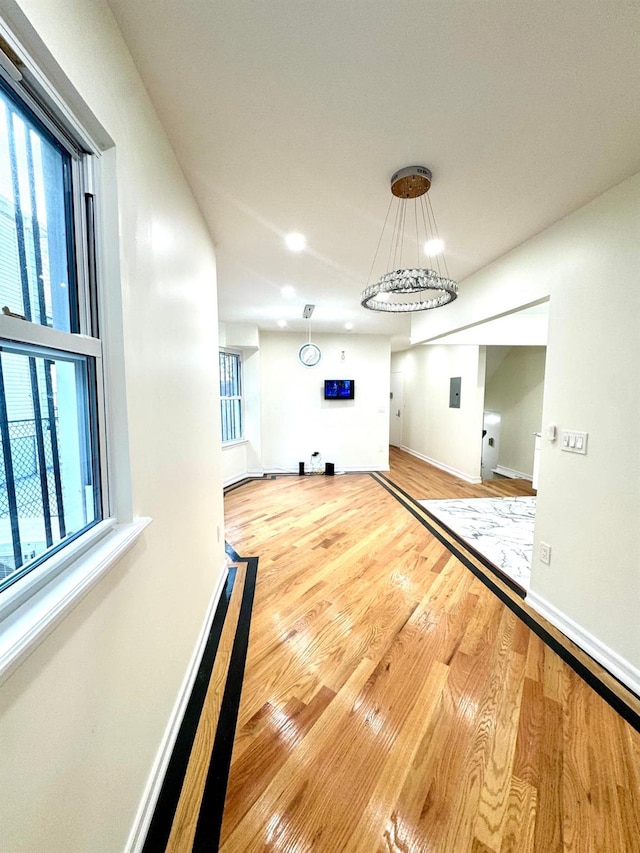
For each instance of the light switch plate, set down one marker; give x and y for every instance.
(574, 442)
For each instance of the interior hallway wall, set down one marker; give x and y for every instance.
(588, 506)
(449, 438)
(515, 391)
(296, 420)
(245, 458)
(82, 719)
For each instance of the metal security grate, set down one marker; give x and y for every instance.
(26, 473)
(231, 395)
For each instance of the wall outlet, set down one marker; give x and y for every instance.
(545, 552)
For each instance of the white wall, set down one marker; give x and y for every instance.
(528, 327)
(296, 420)
(240, 460)
(81, 720)
(253, 411)
(588, 506)
(515, 391)
(449, 438)
(234, 462)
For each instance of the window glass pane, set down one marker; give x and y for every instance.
(48, 458)
(36, 233)
(230, 387)
(231, 412)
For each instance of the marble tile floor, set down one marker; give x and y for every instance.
(501, 529)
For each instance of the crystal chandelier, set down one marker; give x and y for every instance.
(416, 288)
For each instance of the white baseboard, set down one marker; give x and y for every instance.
(345, 469)
(459, 474)
(235, 479)
(348, 469)
(238, 477)
(624, 671)
(151, 793)
(511, 472)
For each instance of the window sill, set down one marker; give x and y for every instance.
(234, 443)
(25, 623)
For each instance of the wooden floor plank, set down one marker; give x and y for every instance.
(268, 752)
(519, 825)
(268, 820)
(392, 702)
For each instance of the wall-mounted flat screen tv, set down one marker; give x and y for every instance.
(339, 389)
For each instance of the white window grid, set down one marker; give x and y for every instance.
(231, 396)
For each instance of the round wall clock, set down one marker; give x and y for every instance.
(309, 354)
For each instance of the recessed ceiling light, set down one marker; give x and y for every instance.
(288, 291)
(282, 323)
(296, 241)
(434, 247)
(348, 326)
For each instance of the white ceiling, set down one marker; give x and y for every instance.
(293, 114)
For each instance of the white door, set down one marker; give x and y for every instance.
(490, 443)
(395, 410)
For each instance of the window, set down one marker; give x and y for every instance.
(231, 395)
(50, 355)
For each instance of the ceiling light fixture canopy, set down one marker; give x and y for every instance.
(430, 288)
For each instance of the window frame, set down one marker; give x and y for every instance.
(34, 604)
(80, 340)
(226, 442)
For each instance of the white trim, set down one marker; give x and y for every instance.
(21, 591)
(52, 85)
(247, 475)
(28, 623)
(349, 469)
(236, 478)
(460, 474)
(614, 663)
(233, 442)
(18, 331)
(143, 817)
(117, 488)
(344, 469)
(512, 473)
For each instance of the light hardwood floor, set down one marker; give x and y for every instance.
(391, 702)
